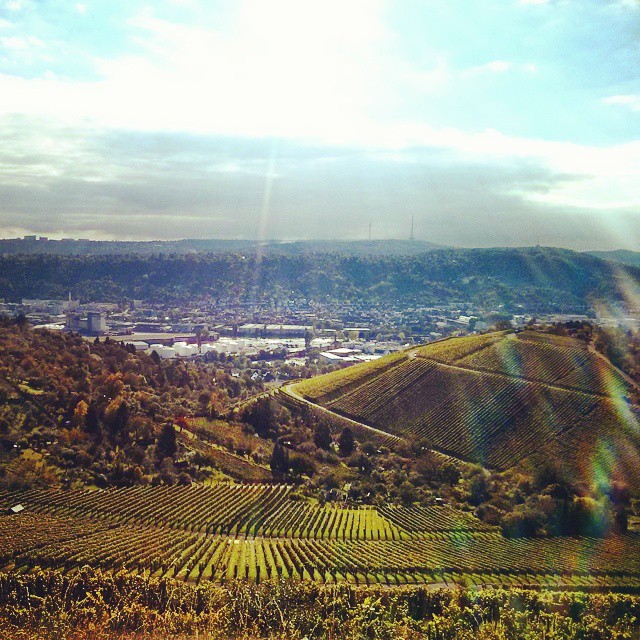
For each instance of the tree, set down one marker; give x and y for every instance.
(117, 417)
(322, 436)
(279, 461)
(621, 520)
(79, 414)
(261, 416)
(478, 491)
(168, 471)
(503, 325)
(346, 442)
(21, 320)
(407, 493)
(92, 422)
(167, 441)
(215, 404)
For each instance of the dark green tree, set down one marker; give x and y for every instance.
(119, 421)
(167, 441)
(346, 442)
(261, 416)
(279, 461)
(322, 435)
(92, 419)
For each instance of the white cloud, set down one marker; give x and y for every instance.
(21, 43)
(600, 177)
(289, 68)
(13, 5)
(498, 67)
(609, 176)
(427, 80)
(630, 101)
(303, 70)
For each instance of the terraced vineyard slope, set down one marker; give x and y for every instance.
(175, 532)
(495, 399)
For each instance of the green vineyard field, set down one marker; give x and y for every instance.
(243, 510)
(159, 531)
(494, 399)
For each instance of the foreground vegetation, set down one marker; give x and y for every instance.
(90, 604)
(257, 533)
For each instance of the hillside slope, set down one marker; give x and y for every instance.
(17, 246)
(497, 399)
(77, 412)
(623, 256)
(537, 277)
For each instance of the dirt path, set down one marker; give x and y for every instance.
(288, 390)
(622, 374)
(552, 385)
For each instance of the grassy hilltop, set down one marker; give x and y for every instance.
(496, 399)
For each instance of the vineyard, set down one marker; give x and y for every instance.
(495, 399)
(243, 510)
(344, 379)
(164, 532)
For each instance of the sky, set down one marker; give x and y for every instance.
(487, 122)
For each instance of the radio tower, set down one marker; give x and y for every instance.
(411, 236)
(369, 231)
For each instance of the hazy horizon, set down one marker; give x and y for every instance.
(497, 123)
(286, 241)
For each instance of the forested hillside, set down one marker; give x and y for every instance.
(106, 247)
(78, 412)
(630, 258)
(542, 277)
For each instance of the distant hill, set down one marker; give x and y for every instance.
(181, 247)
(623, 256)
(497, 399)
(537, 277)
(354, 247)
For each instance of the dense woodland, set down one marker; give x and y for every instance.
(536, 277)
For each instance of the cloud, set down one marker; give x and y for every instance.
(139, 185)
(13, 5)
(285, 68)
(20, 43)
(169, 112)
(499, 67)
(630, 101)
